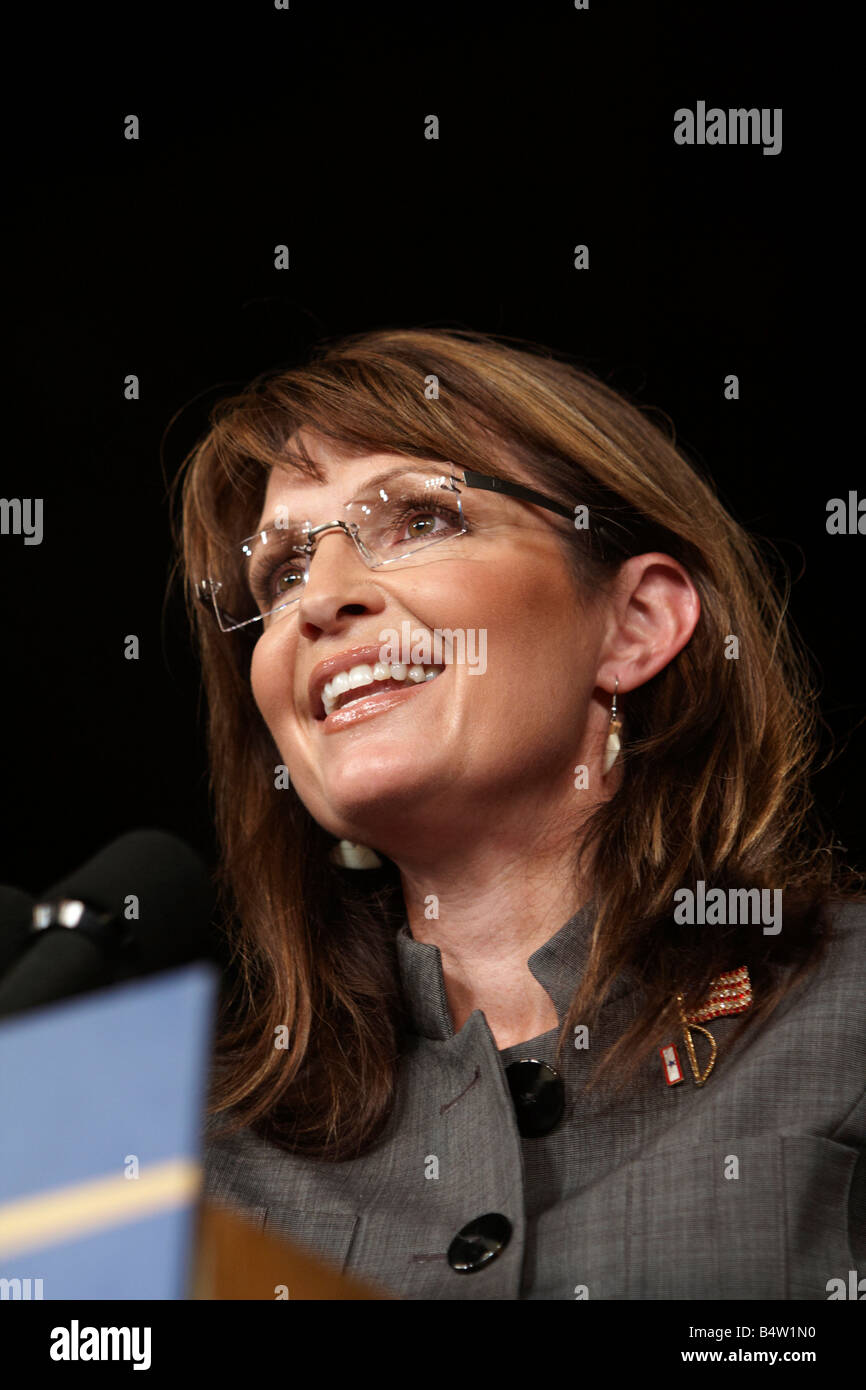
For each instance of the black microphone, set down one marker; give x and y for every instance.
(16, 909)
(142, 904)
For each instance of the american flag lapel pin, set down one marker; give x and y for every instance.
(729, 994)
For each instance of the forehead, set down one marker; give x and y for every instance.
(340, 477)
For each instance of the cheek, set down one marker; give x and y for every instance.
(548, 628)
(539, 633)
(557, 637)
(271, 682)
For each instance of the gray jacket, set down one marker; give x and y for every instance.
(751, 1186)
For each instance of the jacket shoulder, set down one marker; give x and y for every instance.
(836, 990)
(238, 1166)
(816, 1036)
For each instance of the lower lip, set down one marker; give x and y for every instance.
(360, 710)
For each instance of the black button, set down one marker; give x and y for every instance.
(479, 1242)
(538, 1095)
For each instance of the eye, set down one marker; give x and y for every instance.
(411, 519)
(282, 583)
(276, 583)
(422, 525)
(283, 580)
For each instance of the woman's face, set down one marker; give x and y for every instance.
(469, 750)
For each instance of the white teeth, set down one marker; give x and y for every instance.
(362, 675)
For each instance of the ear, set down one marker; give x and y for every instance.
(653, 611)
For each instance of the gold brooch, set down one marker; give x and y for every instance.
(729, 994)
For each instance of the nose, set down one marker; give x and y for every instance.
(339, 585)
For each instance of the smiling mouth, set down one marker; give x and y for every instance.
(362, 682)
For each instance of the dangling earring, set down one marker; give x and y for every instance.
(351, 856)
(613, 745)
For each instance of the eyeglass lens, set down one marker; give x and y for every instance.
(406, 515)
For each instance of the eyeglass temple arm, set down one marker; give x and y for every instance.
(524, 494)
(487, 483)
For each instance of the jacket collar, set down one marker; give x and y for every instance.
(557, 965)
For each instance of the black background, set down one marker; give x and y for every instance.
(306, 127)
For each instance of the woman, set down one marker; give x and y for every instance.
(577, 1011)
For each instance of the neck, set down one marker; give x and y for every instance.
(488, 909)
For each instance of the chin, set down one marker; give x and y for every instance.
(366, 793)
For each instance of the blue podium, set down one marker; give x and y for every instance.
(101, 1106)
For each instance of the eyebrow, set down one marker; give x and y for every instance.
(374, 483)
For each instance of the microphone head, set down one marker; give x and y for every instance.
(157, 891)
(16, 908)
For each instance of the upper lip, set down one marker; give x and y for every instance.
(327, 670)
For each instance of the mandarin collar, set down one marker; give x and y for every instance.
(557, 966)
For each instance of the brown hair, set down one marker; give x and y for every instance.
(716, 752)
